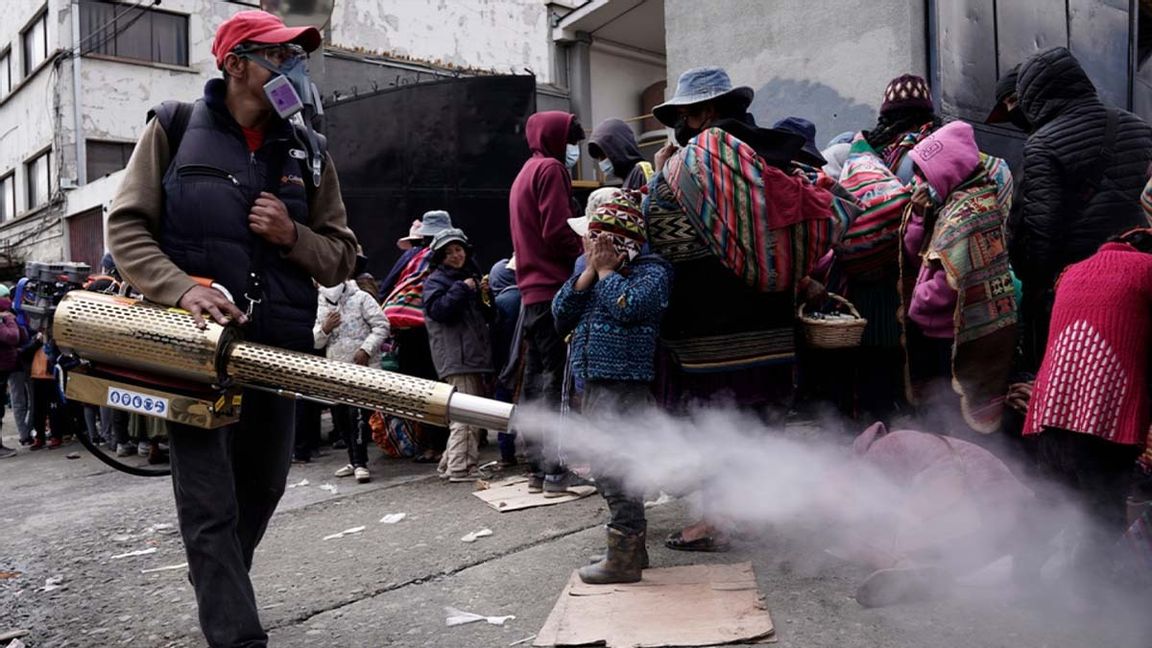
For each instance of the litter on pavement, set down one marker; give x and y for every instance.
(302, 482)
(345, 532)
(476, 535)
(393, 518)
(139, 552)
(460, 617)
(154, 570)
(331, 488)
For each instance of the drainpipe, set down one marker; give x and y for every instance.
(81, 151)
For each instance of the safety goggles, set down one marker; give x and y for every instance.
(278, 54)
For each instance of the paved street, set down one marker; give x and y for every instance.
(388, 585)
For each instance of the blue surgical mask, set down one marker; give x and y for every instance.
(606, 166)
(571, 155)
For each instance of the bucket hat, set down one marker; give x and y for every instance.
(697, 86)
(809, 154)
(434, 222)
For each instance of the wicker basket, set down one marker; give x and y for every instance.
(833, 334)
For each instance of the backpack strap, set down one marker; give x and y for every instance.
(174, 117)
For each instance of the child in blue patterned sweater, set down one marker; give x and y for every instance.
(612, 311)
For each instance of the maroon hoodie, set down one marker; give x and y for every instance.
(540, 205)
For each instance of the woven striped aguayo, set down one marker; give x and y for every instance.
(969, 241)
(765, 225)
(873, 240)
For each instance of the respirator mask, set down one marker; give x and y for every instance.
(290, 91)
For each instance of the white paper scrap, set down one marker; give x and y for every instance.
(154, 570)
(345, 532)
(460, 617)
(476, 535)
(393, 518)
(139, 552)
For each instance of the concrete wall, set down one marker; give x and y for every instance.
(617, 84)
(504, 36)
(825, 60)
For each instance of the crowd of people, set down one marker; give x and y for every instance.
(1009, 304)
(1000, 304)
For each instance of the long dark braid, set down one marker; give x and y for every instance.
(895, 123)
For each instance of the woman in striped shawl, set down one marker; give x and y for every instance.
(740, 230)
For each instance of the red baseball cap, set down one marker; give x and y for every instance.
(255, 26)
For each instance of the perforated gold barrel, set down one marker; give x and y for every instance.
(126, 332)
(340, 382)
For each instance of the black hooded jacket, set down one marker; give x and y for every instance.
(617, 142)
(1073, 195)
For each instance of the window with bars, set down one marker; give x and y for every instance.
(8, 196)
(104, 158)
(5, 73)
(142, 33)
(35, 42)
(38, 171)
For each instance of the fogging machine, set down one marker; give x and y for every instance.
(143, 358)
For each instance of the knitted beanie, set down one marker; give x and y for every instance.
(947, 157)
(621, 219)
(908, 91)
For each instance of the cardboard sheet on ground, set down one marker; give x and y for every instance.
(698, 605)
(512, 495)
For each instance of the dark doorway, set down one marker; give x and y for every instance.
(455, 144)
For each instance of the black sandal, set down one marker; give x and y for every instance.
(707, 543)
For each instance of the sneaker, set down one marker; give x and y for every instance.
(346, 471)
(339, 444)
(558, 486)
(440, 474)
(36, 444)
(7, 452)
(125, 450)
(143, 448)
(362, 475)
(54, 443)
(535, 484)
(461, 477)
(25, 442)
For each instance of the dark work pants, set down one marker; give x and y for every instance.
(1098, 475)
(604, 399)
(352, 425)
(307, 437)
(227, 484)
(414, 355)
(544, 359)
(49, 412)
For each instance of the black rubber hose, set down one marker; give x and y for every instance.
(122, 467)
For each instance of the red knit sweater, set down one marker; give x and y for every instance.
(1094, 376)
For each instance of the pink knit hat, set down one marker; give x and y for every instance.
(947, 157)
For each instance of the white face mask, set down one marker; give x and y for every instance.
(571, 155)
(606, 166)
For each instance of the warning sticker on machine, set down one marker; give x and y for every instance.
(136, 402)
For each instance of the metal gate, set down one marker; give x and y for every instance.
(455, 144)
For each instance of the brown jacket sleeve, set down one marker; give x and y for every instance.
(325, 248)
(134, 223)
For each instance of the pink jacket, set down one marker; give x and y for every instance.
(945, 159)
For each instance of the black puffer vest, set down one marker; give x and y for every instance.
(209, 188)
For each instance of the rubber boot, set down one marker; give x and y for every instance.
(623, 564)
(644, 564)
